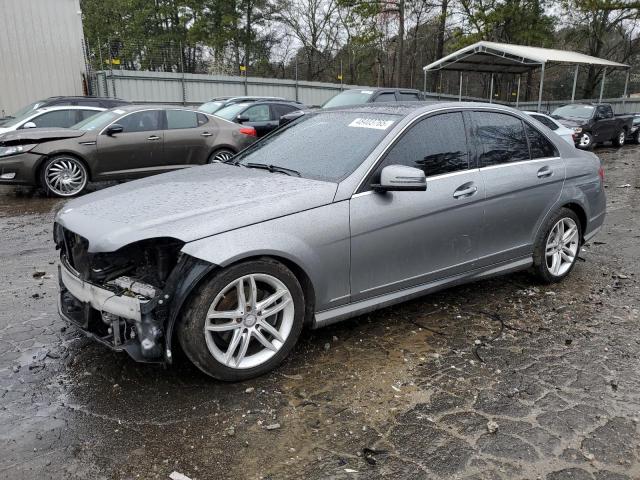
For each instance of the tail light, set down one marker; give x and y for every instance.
(249, 131)
(601, 174)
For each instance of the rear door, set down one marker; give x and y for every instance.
(261, 118)
(137, 151)
(187, 138)
(403, 239)
(523, 177)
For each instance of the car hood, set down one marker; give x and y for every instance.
(189, 204)
(38, 135)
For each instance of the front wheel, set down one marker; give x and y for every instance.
(243, 321)
(221, 155)
(557, 246)
(63, 176)
(585, 141)
(620, 139)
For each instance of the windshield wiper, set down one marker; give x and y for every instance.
(274, 168)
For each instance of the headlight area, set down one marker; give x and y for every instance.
(123, 299)
(7, 151)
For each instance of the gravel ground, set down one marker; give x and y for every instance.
(501, 379)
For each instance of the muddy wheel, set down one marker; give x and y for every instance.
(221, 155)
(243, 321)
(585, 141)
(557, 246)
(620, 139)
(63, 176)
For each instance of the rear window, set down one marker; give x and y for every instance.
(324, 146)
(546, 121)
(574, 111)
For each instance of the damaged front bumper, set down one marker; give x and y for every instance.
(120, 320)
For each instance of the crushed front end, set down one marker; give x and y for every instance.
(123, 299)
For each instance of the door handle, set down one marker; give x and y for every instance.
(153, 137)
(545, 172)
(465, 191)
(206, 134)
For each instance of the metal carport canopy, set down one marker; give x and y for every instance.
(493, 57)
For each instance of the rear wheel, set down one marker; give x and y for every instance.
(221, 155)
(557, 246)
(585, 141)
(243, 321)
(63, 176)
(620, 139)
(636, 137)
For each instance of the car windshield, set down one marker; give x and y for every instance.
(574, 111)
(99, 121)
(211, 107)
(349, 97)
(230, 112)
(324, 146)
(18, 118)
(22, 113)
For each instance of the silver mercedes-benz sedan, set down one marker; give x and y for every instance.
(337, 213)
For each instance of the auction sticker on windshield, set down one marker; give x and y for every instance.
(371, 123)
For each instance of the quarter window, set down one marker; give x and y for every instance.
(178, 119)
(540, 146)
(141, 121)
(501, 138)
(436, 145)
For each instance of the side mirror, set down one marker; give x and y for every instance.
(115, 128)
(399, 178)
(29, 125)
(242, 118)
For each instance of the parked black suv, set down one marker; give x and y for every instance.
(263, 115)
(102, 102)
(594, 123)
(357, 96)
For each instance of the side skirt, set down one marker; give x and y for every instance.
(337, 314)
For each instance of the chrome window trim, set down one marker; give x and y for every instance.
(519, 162)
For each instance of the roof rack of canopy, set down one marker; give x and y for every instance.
(492, 57)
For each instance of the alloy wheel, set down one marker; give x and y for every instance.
(585, 140)
(562, 246)
(221, 156)
(249, 321)
(65, 176)
(621, 138)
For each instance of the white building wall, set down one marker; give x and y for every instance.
(40, 51)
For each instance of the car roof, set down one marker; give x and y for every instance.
(381, 89)
(83, 97)
(414, 108)
(70, 107)
(153, 106)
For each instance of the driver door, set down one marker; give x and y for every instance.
(137, 151)
(402, 239)
(261, 118)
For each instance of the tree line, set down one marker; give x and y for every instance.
(358, 42)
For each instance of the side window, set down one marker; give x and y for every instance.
(59, 118)
(202, 119)
(258, 113)
(546, 122)
(177, 119)
(500, 137)
(386, 97)
(540, 146)
(435, 145)
(409, 96)
(141, 121)
(84, 114)
(282, 109)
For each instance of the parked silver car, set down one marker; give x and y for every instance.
(336, 214)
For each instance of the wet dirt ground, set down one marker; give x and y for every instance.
(502, 379)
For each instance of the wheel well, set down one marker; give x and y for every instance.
(47, 157)
(222, 147)
(582, 216)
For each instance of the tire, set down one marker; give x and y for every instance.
(636, 138)
(547, 268)
(215, 345)
(620, 139)
(585, 141)
(63, 176)
(221, 155)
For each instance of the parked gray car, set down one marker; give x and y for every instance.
(336, 214)
(122, 143)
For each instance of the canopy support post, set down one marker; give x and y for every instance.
(540, 90)
(424, 84)
(518, 91)
(624, 95)
(491, 90)
(575, 82)
(604, 77)
(460, 89)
